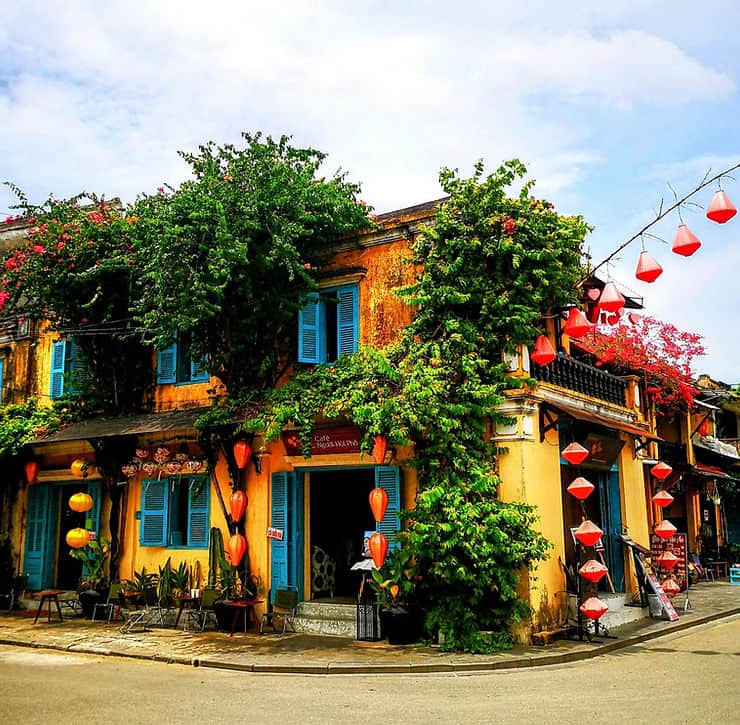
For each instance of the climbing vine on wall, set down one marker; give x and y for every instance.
(490, 266)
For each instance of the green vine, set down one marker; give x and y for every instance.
(23, 422)
(491, 266)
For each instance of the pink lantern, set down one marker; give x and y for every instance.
(236, 547)
(685, 243)
(611, 298)
(721, 209)
(593, 608)
(662, 499)
(593, 570)
(575, 453)
(378, 546)
(576, 325)
(668, 560)
(543, 353)
(580, 488)
(380, 448)
(648, 269)
(665, 529)
(378, 503)
(661, 470)
(588, 533)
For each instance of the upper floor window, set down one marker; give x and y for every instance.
(328, 326)
(175, 512)
(68, 369)
(175, 364)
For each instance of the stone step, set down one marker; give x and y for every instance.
(621, 611)
(327, 618)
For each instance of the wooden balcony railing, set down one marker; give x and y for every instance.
(583, 378)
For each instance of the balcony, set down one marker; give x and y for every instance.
(572, 374)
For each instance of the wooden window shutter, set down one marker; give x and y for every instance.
(198, 514)
(153, 524)
(347, 320)
(387, 478)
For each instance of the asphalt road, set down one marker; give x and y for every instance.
(690, 677)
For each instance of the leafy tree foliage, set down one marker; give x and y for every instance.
(490, 267)
(231, 254)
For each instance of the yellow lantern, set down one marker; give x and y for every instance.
(81, 468)
(77, 538)
(81, 502)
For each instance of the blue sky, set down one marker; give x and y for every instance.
(605, 105)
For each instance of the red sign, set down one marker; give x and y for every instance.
(276, 534)
(677, 546)
(325, 441)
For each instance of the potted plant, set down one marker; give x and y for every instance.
(180, 581)
(233, 583)
(402, 619)
(94, 581)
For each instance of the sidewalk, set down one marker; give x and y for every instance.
(322, 654)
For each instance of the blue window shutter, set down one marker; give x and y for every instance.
(37, 530)
(311, 331)
(153, 524)
(1, 382)
(58, 359)
(198, 515)
(279, 520)
(387, 478)
(167, 365)
(347, 320)
(198, 372)
(92, 521)
(77, 369)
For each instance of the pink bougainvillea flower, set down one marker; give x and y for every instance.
(4, 297)
(160, 190)
(11, 264)
(509, 226)
(61, 245)
(38, 249)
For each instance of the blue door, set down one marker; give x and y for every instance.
(611, 517)
(38, 560)
(286, 553)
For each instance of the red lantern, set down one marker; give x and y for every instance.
(685, 243)
(581, 488)
(593, 570)
(661, 470)
(668, 560)
(378, 503)
(380, 447)
(575, 453)
(593, 608)
(576, 325)
(662, 499)
(32, 470)
(238, 505)
(648, 269)
(378, 546)
(236, 547)
(242, 452)
(543, 352)
(670, 586)
(588, 533)
(721, 209)
(665, 529)
(610, 299)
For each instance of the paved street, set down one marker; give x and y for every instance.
(688, 677)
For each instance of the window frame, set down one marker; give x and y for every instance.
(170, 364)
(313, 322)
(158, 513)
(66, 362)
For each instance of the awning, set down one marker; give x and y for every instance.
(708, 471)
(174, 420)
(569, 411)
(717, 447)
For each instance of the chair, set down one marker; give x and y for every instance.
(199, 617)
(15, 591)
(112, 604)
(283, 607)
(145, 612)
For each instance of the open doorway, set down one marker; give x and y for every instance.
(339, 515)
(69, 569)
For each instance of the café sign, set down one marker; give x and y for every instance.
(325, 441)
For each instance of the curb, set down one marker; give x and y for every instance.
(410, 668)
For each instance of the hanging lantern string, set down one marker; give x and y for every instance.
(662, 213)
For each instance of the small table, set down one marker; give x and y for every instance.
(248, 606)
(48, 596)
(186, 602)
(719, 568)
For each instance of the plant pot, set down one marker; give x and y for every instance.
(89, 598)
(225, 616)
(402, 625)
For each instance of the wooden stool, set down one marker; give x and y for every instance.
(48, 596)
(249, 614)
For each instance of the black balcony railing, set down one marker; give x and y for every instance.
(583, 378)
